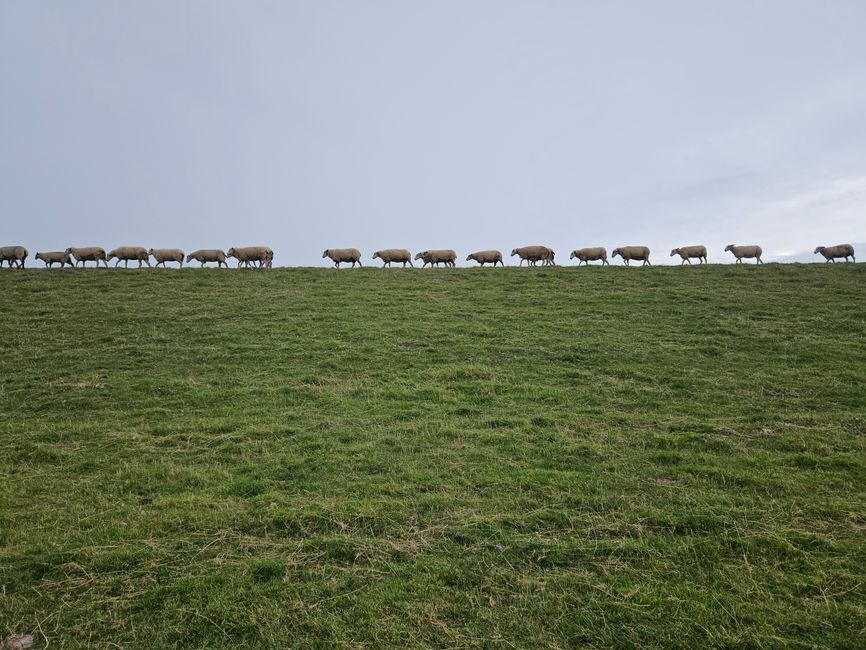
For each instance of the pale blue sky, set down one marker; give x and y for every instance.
(446, 124)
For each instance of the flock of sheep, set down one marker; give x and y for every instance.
(262, 257)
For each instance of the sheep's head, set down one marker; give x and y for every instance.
(231, 253)
(675, 251)
(150, 251)
(376, 255)
(729, 247)
(189, 258)
(420, 256)
(615, 252)
(69, 251)
(819, 249)
(38, 256)
(111, 255)
(513, 252)
(471, 256)
(573, 255)
(327, 251)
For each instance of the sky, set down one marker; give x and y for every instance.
(464, 124)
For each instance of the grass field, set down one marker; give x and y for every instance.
(473, 458)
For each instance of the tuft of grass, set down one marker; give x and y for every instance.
(513, 457)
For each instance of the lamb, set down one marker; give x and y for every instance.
(205, 255)
(126, 253)
(347, 255)
(745, 251)
(628, 253)
(246, 255)
(585, 255)
(87, 254)
(163, 255)
(534, 254)
(12, 254)
(53, 257)
(830, 253)
(687, 252)
(434, 258)
(389, 255)
(484, 257)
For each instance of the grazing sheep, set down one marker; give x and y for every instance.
(485, 257)
(687, 252)
(87, 254)
(745, 251)
(347, 255)
(126, 253)
(585, 255)
(830, 253)
(389, 255)
(534, 254)
(628, 253)
(16, 254)
(53, 257)
(246, 255)
(163, 255)
(205, 255)
(434, 258)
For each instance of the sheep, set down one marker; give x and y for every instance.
(745, 251)
(126, 253)
(163, 255)
(484, 257)
(585, 255)
(16, 254)
(434, 258)
(389, 255)
(830, 253)
(347, 255)
(54, 256)
(205, 255)
(87, 254)
(534, 254)
(687, 252)
(246, 255)
(628, 253)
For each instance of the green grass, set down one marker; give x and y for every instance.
(473, 458)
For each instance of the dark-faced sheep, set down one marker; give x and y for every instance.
(628, 253)
(346, 255)
(437, 257)
(54, 257)
(688, 252)
(486, 257)
(830, 253)
(389, 255)
(87, 254)
(206, 255)
(586, 255)
(13, 255)
(745, 251)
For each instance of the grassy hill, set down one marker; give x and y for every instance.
(471, 458)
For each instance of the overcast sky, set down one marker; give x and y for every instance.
(465, 124)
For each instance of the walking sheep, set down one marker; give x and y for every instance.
(585, 255)
(87, 254)
(126, 253)
(347, 255)
(54, 257)
(687, 252)
(830, 253)
(745, 251)
(16, 254)
(485, 257)
(533, 254)
(163, 255)
(249, 254)
(628, 253)
(434, 258)
(205, 255)
(389, 255)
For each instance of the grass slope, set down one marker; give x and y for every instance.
(498, 458)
